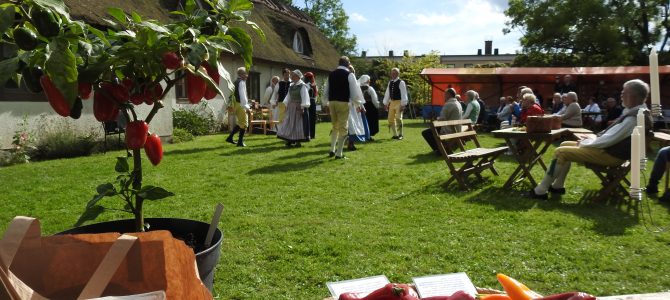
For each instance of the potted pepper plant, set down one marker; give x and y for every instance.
(130, 62)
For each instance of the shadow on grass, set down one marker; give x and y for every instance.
(253, 149)
(195, 150)
(416, 125)
(299, 152)
(609, 219)
(424, 158)
(289, 166)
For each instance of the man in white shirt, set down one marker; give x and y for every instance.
(240, 107)
(395, 100)
(611, 147)
(342, 87)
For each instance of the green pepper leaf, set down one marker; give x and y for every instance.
(8, 67)
(106, 189)
(91, 213)
(151, 192)
(197, 54)
(61, 66)
(243, 39)
(7, 12)
(118, 14)
(99, 34)
(122, 164)
(57, 5)
(136, 18)
(240, 5)
(156, 27)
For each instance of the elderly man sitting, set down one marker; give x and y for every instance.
(611, 147)
(451, 110)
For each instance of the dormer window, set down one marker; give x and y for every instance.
(298, 43)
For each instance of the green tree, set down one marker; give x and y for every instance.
(410, 67)
(587, 32)
(330, 17)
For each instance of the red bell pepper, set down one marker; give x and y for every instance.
(390, 291)
(459, 295)
(137, 98)
(494, 297)
(154, 149)
(104, 107)
(85, 89)
(55, 97)
(152, 92)
(516, 290)
(195, 88)
(171, 60)
(118, 92)
(210, 93)
(136, 134)
(128, 83)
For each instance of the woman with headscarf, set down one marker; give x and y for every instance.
(371, 105)
(313, 93)
(295, 126)
(270, 96)
(358, 124)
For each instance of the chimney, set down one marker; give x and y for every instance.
(365, 53)
(390, 53)
(495, 51)
(479, 52)
(487, 47)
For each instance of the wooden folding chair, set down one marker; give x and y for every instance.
(473, 161)
(613, 179)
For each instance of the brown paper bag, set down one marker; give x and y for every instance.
(79, 266)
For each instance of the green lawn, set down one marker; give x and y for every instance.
(295, 219)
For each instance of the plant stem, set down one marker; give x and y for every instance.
(137, 185)
(157, 105)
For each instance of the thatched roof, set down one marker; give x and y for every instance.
(278, 21)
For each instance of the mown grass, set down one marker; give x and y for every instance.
(295, 219)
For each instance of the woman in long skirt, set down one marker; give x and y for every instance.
(358, 127)
(294, 128)
(313, 93)
(371, 105)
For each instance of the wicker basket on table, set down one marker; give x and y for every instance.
(539, 124)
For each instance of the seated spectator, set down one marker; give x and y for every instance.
(613, 110)
(472, 108)
(610, 147)
(529, 108)
(501, 105)
(556, 103)
(450, 111)
(593, 108)
(657, 172)
(510, 110)
(572, 115)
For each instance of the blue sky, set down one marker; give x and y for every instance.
(448, 26)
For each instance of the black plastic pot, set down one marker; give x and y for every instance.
(192, 232)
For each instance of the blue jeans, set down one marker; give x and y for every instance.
(659, 167)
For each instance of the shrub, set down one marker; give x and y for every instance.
(180, 135)
(60, 140)
(196, 121)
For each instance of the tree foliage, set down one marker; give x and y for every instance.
(587, 32)
(330, 17)
(410, 67)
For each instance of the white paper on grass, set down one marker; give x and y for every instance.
(363, 286)
(444, 285)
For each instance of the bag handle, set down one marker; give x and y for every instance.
(108, 266)
(19, 230)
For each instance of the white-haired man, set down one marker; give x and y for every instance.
(395, 100)
(572, 114)
(610, 147)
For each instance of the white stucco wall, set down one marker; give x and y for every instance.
(40, 114)
(266, 70)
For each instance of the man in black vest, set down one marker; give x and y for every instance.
(611, 147)
(342, 87)
(395, 100)
(240, 107)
